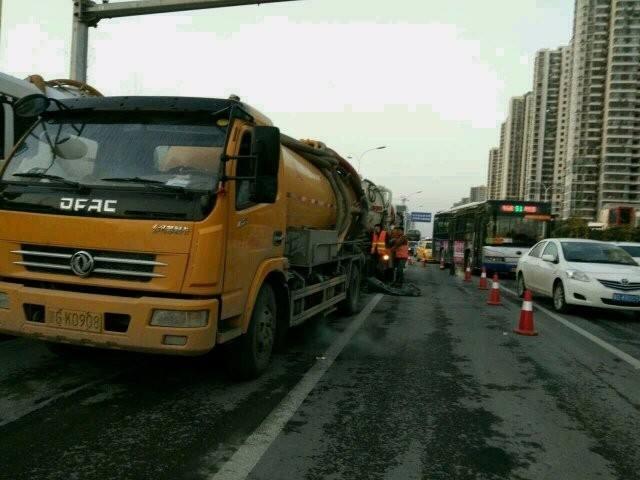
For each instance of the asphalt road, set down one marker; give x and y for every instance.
(434, 387)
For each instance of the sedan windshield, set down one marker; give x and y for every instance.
(632, 250)
(588, 252)
(120, 150)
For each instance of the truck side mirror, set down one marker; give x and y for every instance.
(266, 149)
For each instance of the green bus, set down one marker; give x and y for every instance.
(493, 234)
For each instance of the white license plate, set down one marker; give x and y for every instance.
(624, 297)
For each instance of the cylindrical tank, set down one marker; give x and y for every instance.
(311, 202)
(323, 190)
(380, 209)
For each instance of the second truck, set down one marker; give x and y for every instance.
(172, 225)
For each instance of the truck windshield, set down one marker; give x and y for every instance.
(120, 150)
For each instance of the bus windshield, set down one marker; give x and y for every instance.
(514, 231)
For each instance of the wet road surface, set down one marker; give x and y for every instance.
(434, 387)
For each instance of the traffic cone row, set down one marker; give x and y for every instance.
(526, 324)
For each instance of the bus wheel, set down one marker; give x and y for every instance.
(251, 354)
(351, 304)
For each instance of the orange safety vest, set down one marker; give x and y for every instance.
(379, 243)
(402, 251)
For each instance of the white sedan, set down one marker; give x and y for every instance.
(581, 272)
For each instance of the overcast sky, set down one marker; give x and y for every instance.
(428, 78)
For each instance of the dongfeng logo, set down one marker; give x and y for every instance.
(81, 263)
(624, 281)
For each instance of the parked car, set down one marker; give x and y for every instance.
(581, 272)
(423, 252)
(632, 248)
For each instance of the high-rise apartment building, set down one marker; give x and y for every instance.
(541, 127)
(511, 149)
(603, 147)
(564, 101)
(493, 180)
(478, 194)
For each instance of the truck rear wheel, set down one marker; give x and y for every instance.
(351, 304)
(251, 354)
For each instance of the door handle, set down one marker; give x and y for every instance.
(277, 238)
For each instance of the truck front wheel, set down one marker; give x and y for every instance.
(252, 352)
(351, 304)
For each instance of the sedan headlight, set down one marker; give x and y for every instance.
(578, 275)
(180, 318)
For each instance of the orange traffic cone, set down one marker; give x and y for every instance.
(483, 280)
(442, 262)
(494, 294)
(526, 326)
(467, 274)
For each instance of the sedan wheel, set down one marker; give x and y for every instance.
(521, 285)
(559, 299)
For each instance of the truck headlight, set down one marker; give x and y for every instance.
(180, 318)
(4, 300)
(578, 275)
(385, 257)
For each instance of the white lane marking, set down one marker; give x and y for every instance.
(241, 463)
(634, 362)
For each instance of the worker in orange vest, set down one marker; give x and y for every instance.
(378, 248)
(400, 253)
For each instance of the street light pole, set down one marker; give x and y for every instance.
(404, 199)
(367, 151)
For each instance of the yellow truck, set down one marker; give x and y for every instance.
(172, 225)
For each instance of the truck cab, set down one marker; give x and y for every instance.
(153, 224)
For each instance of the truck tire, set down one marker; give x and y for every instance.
(251, 354)
(352, 304)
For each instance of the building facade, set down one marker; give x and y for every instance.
(478, 194)
(603, 146)
(541, 128)
(511, 149)
(493, 180)
(564, 103)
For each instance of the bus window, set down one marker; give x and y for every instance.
(441, 227)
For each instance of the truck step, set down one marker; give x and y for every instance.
(228, 334)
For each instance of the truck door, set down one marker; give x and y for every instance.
(256, 231)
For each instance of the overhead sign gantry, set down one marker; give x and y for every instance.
(87, 13)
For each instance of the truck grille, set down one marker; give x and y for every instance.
(625, 287)
(107, 264)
